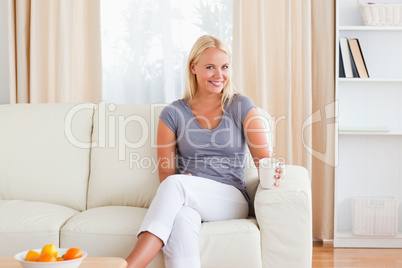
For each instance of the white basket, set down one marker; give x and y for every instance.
(375, 216)
(381, 14)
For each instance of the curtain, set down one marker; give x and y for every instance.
(54, 51)
(283, 58)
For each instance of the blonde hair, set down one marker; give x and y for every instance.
(202, 43)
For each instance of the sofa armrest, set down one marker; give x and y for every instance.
(284, 216)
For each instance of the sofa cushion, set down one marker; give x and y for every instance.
(106, 231)
(124, 169)
(115, 224)
(112, 230)
(38, 161)
(26, 225)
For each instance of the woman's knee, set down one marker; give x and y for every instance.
(188, 218)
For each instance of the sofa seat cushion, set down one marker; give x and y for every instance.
(106, 231)
(112, 230)
(27, 225)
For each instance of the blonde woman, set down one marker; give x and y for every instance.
(207, 133)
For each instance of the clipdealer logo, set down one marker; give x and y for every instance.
(111, 131)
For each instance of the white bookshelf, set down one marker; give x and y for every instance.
(369, 140)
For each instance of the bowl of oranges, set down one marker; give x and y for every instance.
(51, 257)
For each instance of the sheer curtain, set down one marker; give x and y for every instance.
(145, 45)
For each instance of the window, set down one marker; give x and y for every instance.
(145, 44)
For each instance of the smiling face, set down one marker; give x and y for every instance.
(212, 71)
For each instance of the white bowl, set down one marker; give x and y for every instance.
(60, 264)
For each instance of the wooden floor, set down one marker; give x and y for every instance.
(325, 256)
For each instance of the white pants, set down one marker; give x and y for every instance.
(179, 206)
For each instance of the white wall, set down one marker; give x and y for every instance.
(4, 89)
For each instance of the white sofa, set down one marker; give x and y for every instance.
(84, 175)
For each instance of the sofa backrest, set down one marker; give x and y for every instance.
(44, 153)
(124, 168)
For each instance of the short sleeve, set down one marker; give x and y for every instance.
(169, 117)
(240, 106)
(246, 105)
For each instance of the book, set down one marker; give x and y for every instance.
(352, 62)
(341, 68)
(345, 54)
(358, 58)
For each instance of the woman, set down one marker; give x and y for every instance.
(209, 129)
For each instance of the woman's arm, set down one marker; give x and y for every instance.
(254, 131)
(166, 142)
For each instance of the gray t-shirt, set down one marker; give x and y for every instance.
(217, 154)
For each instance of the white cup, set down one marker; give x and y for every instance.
(267, 168)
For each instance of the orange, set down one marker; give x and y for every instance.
(47, 257)
(73, 253)
(31, 254)
(50, 249)
(59, 259)
(34, 259)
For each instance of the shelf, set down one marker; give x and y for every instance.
(347, 239)
(376, 133)
(370, 28)
(360, 80)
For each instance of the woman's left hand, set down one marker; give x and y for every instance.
(278, 173)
